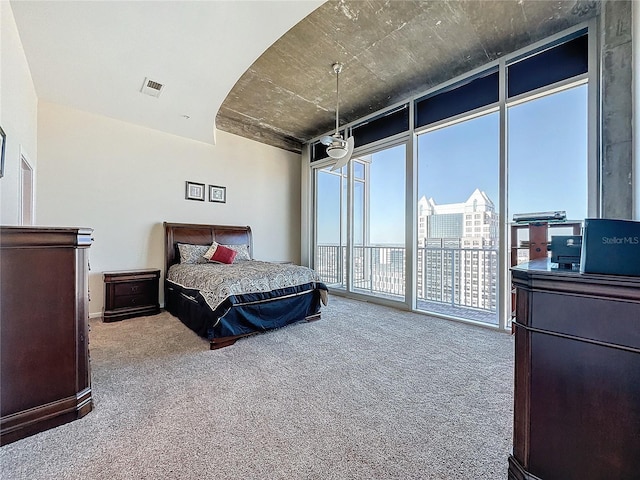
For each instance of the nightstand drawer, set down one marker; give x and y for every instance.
(125, 301)
(140, 287)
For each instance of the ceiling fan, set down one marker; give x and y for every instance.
(338, 147)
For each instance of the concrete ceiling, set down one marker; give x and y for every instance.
(221, 67)
(391, 50)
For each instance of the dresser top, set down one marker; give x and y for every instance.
(34, 236)
(133, 271)
(541, 276)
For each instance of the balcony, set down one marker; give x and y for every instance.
(456, 282)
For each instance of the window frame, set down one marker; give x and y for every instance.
(409, 137)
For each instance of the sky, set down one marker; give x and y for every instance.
(547, 160)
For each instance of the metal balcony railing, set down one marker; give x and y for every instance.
(460, 282)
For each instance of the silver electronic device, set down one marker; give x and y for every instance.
(556, 216)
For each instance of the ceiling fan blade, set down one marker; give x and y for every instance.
(344, 160)
(326, 140)
(350, 146)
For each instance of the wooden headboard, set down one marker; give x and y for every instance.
(202, 235)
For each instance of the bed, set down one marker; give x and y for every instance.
(225, 302)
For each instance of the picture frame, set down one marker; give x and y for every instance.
(3, 142)
(217, 194)
(194, 191)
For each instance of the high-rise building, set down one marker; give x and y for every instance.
(457, 251)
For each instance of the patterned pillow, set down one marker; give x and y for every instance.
(192, 253)
(241, 250)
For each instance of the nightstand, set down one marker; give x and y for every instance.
(131, 293)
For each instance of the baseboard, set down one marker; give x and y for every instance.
(517, 471)
(22, 424)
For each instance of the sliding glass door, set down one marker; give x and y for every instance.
(375, 234)
(330, 226)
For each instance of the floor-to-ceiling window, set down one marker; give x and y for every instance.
(457, 218)
(512, 137)
(330, 226)
(379, 230)
(547, 111)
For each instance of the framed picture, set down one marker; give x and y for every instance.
(217, 194)
(3, 141)
(195, 191)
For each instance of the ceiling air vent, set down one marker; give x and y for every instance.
(151, 87)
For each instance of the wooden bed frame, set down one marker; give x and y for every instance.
(202, 235)
(199, 234)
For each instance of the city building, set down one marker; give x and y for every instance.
(457, 251)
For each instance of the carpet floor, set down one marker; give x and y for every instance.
(368, 392)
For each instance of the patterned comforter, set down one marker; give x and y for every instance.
(216, 282)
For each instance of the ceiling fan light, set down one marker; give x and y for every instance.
(337, 151)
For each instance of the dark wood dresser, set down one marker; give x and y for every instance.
(577, 375)
(44, 373)
(131, 293)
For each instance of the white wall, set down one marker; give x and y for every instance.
(18, 114)
(124, 181)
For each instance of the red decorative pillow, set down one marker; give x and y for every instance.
(222, 254)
